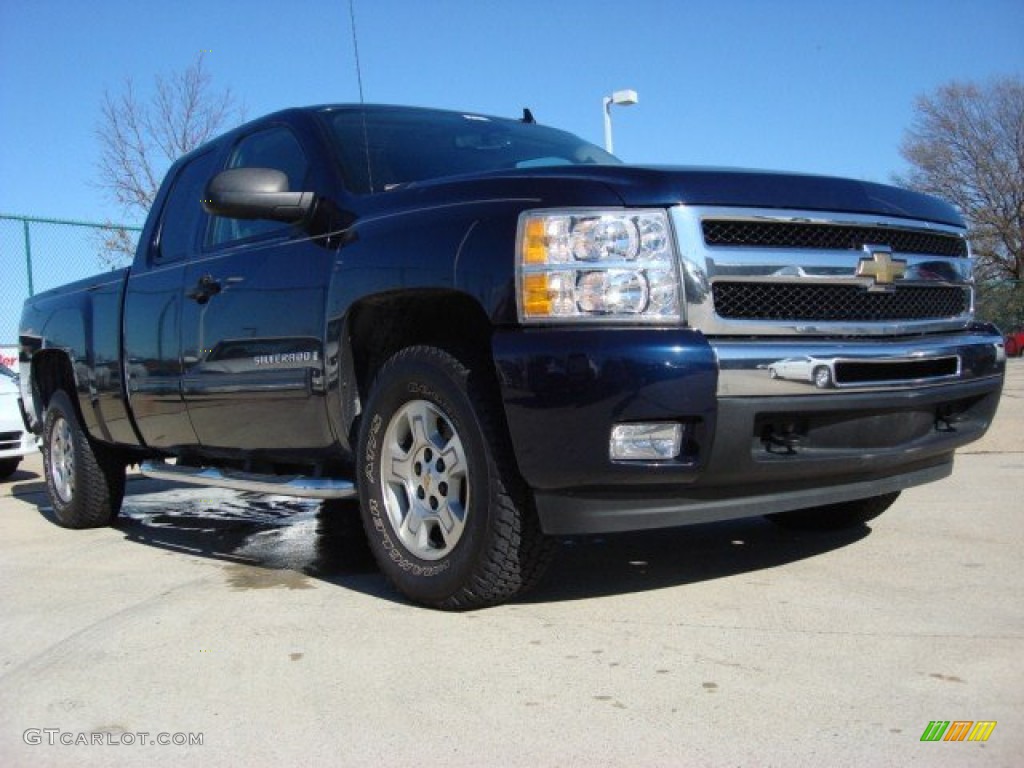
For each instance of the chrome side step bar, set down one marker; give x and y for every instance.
(284, 485)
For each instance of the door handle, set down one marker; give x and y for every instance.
(206, 287)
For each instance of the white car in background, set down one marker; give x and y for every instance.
(813, 370)
(15, 440)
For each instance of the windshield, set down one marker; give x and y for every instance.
(407, 145)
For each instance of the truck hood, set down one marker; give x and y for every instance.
(659, 186)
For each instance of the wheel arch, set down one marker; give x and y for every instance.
(51, 371)
(376, 327)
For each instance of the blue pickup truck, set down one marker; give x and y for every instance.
(492, 333)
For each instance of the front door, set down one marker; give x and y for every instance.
(253, 322)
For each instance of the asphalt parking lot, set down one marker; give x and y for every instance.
(255, 624)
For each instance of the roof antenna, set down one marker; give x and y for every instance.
(362, 101)
(528, 116)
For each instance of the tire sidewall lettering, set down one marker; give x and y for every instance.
(396, 553)
(424, 390)
(372, 447)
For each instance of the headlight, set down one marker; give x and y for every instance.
(597, 265)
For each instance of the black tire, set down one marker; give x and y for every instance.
(455, 535)
(835, 517)
(8, 467)
(85, 482)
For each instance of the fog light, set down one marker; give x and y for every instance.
(645, 442)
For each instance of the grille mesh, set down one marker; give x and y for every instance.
(786, 234)
(824, 303)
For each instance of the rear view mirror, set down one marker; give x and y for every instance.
(255, 193)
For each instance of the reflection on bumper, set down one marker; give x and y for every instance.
(770, 368)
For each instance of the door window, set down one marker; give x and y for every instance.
(275, 148)
(183, 214)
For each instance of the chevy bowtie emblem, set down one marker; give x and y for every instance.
(880, 265)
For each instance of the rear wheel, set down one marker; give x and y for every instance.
(835, 517)
(85, 482)
(447, 516)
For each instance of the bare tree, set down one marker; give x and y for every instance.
(966, 144)
(141, 138)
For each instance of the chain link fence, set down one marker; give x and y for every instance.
(38, 254)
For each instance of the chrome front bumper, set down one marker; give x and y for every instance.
(766, 368)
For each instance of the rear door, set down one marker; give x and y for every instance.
(253, 319)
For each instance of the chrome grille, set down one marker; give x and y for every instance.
(841, 237)
(835, 303)
(761, 272)
(9, 440)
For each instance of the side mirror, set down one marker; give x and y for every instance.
(255, 193)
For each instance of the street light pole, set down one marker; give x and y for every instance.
(622, 98)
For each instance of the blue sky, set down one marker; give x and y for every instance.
(821, 87)
(817, 87)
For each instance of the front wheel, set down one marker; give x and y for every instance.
(835, 517)
(447, 516)
(85, 483)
